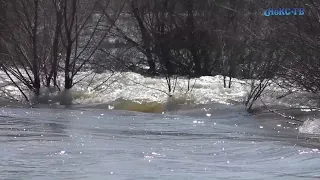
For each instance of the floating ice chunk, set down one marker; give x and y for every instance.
(305, 109)
(309, 152)
(310, 127)
(206, 109)
(148, 157)
(198, 122)
(62, 152)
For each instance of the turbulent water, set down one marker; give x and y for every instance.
(214, 142)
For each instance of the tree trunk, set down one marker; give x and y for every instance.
(145, 37)
(67, 71)
(191, 37)
(68, 76)
(151, 63)
(35, 61)
(55, 49)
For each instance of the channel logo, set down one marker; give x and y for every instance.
(284, 12)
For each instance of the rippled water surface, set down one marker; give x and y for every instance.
(50, 144)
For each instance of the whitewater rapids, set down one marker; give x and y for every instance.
(134, 92)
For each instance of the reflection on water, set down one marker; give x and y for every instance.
(54, 144)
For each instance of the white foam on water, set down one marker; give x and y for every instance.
(108, 87)
(91, 88)
(132, 86)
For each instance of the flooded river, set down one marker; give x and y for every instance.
(51, 144)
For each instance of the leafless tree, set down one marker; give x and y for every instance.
(46, 36)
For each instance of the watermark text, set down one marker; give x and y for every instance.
(284, 12)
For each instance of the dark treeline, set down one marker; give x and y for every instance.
(188, 38)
